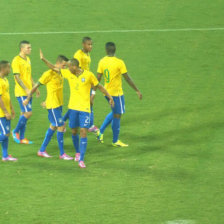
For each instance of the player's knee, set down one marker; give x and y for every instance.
(74, 131)
(83, 132)
(53, 128)
(7, 135)
(28, 114)
(117, 115)
(61, 129)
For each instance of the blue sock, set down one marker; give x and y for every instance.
(106, 122)
(83, 145)
(91, 118)
(75, 140)
(65, 118)
(22, 121)
(22, 131)
(4, 142)
(60, 137)
(116, 129)
(47, 139)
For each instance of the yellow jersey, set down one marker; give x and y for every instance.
(54, 84)
(112, 69)
(84, 59)
(4, 93)
(23, 67)
(80, 89)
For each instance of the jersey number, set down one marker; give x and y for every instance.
(106, 74)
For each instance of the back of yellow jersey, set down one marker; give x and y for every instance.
(54, 83)
(112, 69)
(4, 93)
(84, 59)
(23, 67)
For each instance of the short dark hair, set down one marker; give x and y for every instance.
(3, 64)
(23, 42)
(110, 47)
(62, 58)
(74, 62)
(84, 39)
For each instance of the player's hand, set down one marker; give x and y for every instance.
(111, 102)
(37, 93)
(139, 95)
(8, 116)
(25, 102)
(41, 55)
(43, 104)
(27, 91)
(13, 114)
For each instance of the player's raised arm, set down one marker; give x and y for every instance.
(132, 84)
(49, 64)
(104, 91)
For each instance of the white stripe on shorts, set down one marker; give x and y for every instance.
(24, 105)
(54, 117)
(121, 105)
(4, 132)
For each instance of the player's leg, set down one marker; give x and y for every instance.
(50, 132)
(75, 140)
(26, 113)
(118, 110)
(4, 139)
(107, 121)
(92, 128)
(56, 119)
(74, 125)
(84, 121)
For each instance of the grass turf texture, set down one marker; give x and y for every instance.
(173, 168)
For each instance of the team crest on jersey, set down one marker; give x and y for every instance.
(7, 128)
(60, 120)
(83, 79)
(29, 105)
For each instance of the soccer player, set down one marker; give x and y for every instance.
(21, 67)
(113, 68)
(83, 56)
(6, 110)
(80, 82)
(53, 103)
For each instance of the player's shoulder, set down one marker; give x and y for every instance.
(3, 81)
(78, 52)
(16, 58)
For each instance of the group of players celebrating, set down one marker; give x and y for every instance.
(83, 85)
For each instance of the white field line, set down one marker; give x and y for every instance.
(114, 31)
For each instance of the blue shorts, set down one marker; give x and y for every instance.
(119, 104)
(78, 119)
(55, 117)
(5, 126)
(23, 108)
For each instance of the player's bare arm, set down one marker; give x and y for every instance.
(20, 82)
(49, 64)
(132, 84)
(37, 91)
(99, 76)
(2, 105)
(33, 90)
(104, 91)
(13, 114)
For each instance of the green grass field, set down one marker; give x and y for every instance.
(173, 168)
